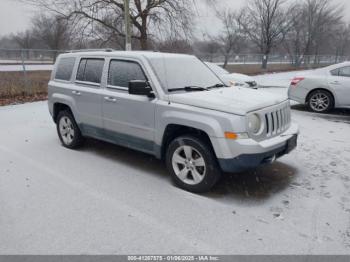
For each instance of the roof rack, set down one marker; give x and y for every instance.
(92, 50)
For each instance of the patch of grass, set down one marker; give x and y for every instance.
(14, 87)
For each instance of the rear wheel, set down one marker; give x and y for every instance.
(68, 130)
(320, 101)
(192, 164)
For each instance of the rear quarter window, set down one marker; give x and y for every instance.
(64, 68)
(335, 72)
(344, 71)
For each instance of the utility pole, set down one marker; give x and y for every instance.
(127, 25)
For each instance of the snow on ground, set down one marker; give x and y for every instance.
(14, 68)
(104, 199)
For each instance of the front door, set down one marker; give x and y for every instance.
(340, 83)
(128, 120)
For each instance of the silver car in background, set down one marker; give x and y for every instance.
(323, 89)
(232, 79)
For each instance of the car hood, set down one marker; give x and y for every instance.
(236, 78)
(236, 100)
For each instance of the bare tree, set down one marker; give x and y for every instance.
(206, 49)
(342, 41)
(52, 31)
(314, 23)
(266, 23)
(175, 46)
(231, 38)
(174, 15)
(25, 40)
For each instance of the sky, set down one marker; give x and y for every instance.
(15, 16)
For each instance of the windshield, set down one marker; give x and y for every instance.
(179, 71)
(217, 69)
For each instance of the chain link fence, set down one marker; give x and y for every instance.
(26, 72)
(296, 61)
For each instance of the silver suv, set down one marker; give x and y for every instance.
(171, 106)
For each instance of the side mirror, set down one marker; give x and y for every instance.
(140, 87)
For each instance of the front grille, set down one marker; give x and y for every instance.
(277, 121)
(251, 83)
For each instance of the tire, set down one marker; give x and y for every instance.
(320, 101)
(192, 164)
(68, 130)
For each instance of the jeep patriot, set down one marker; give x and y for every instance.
(171, 106)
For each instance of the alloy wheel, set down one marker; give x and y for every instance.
(319, 102)
(189, 165)
(66, 129)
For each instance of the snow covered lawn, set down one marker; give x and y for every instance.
(104, 199)
(15, 68)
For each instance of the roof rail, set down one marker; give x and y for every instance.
(92, 50)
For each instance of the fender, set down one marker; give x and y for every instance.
(66, 100)
(207, 124)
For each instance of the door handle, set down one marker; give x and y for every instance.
(77, 93)
(110, 99)
(335, 83)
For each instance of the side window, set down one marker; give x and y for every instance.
(122, 72)
(335, 72)
(344, 71)
(65, 68)
(90, 70)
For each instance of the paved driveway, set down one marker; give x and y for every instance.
(104, 199)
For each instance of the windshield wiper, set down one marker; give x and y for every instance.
(189, 88)
(216, 86)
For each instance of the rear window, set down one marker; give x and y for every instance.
(344, 71)
(65, 68)
(122, 72)
(90, 70)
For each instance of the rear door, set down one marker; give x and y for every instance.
(87, 92)
(129, 120)
(339, 81)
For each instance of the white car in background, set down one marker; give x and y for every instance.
(232, 79)
(323, 89)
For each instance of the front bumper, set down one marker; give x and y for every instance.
(242, 154)
(249, 161)
(297, 94)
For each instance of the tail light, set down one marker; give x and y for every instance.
(296, 80)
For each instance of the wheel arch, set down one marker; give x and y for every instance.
(172, 131)
(319, 89)
(58, 107)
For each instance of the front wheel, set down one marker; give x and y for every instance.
(192, 164)
(320, 101)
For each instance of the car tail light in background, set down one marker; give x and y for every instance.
(296, 80)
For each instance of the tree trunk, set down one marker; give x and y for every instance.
(143, 33)
(265, 61)
(144, 42)
(225, 62)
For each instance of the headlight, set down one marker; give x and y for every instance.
(233, 83)
(254, 123)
